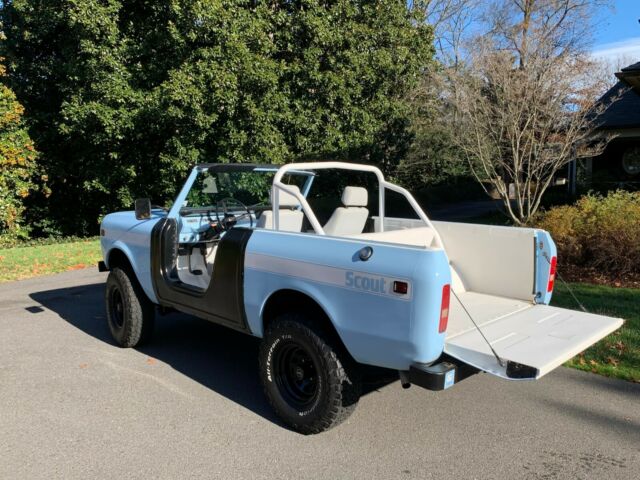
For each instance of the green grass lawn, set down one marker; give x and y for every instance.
(617, 355)
(31, 261)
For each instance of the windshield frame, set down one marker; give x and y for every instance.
(178, 209)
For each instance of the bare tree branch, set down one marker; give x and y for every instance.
(528, 100)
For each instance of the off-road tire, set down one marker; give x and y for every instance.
(338, 382)
(130, 313)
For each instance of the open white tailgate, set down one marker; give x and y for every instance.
(537, 336)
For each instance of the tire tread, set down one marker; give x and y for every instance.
(139, 310)
(343, 377)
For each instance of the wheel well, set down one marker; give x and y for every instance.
(117, 258)
(288, 301)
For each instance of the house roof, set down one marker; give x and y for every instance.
(635, 67)
(631, 76)
(625, 111)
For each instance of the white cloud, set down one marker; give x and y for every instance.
(628, 49)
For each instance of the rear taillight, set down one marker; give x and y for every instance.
(444, 308)
(552, 273)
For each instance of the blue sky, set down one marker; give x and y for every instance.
(618, 32)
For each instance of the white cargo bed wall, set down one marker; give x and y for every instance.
(487, 259)
(491, 260)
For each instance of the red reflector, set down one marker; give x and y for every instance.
(444, 308)
(552, 273)
(401, 287)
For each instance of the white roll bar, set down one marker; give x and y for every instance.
(383, 185)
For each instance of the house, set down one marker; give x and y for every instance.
(619, 164)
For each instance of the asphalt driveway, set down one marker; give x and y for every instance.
(189, 405)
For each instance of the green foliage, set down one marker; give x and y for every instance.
(598, 232)
(125, 96)
(434, 159)
(18, 166)
(7, 243)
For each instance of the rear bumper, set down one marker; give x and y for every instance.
(440, 375)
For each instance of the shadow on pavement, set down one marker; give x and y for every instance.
(628, 428)
(221, 359)
(608, 385)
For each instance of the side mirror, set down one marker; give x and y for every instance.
(143, 209)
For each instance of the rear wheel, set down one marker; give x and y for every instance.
(310, 380)
(130, 314)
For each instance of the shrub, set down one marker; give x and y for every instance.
(17, 165)
(602, 232)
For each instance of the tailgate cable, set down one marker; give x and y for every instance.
(546, 257)
(495, 354)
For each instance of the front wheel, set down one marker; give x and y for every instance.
(310, 380)
(130, 314)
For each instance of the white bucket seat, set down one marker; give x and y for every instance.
(352, 217)
(290, 220)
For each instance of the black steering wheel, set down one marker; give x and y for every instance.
(229, 220)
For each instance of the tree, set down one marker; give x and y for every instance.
(452, 21)
(434, 157)
(528, 100)
(18, 168)
(124, 96)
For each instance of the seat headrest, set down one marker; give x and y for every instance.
(355, 197)
(285, 199)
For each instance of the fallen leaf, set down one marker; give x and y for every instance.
(151, 361)
(77, 266)
(619, 346)
(84, 365)
(593, 362)
(613, 361)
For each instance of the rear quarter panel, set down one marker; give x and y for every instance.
(377, 326)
